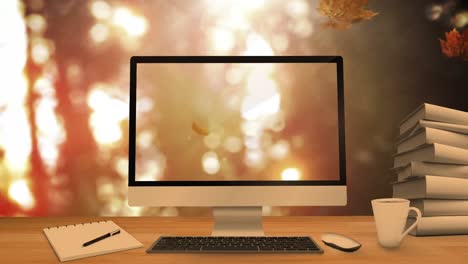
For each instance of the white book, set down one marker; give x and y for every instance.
(67, 241)
(432, 153)
(419, 169)
(428, 135)
(433, 113)
(462, 129)
(432, 187)
(436, 207)
(439, 226)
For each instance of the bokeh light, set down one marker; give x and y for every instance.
(41, 51)
(223, 40)
(434, 12)
(131, 23)
(212, 140)
(233, 144)
(101, 9)
(108, 112)
(257, 46)
(291, 174)
(50, 130)
(19, 192)
(210, 162)
(254, 158)
(99, 33)
(13, 115)
(460, 20)
(36, 23)
(280, 150)
(14, 124)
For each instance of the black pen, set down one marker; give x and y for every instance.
(113, 233)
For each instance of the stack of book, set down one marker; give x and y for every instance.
(432, 169)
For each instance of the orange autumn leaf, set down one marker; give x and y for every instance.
(455, 44)
(343, 13)
(199, 129)
(452, 46)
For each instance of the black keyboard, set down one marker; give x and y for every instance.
(234, 245)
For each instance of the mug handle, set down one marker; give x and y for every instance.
(418, 217)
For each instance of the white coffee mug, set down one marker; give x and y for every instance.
(390, 216)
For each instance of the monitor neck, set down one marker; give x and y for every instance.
(237, 221)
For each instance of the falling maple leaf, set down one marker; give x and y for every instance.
(343, 13)
(200, 130)
(455, 44)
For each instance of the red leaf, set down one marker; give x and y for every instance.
(455, 44)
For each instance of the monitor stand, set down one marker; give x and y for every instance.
(237, 221)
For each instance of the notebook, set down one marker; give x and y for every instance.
(67, 241)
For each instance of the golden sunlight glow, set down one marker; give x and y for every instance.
(51, 132)
(251, 128)
(13, 117)
(233, 14)
(280, 42)
(291, 174)
(255, 107)
(153, 170)
(36, 23)
(297, 8)
(302, 27)
(250, 5)
(121, 166)
(252, 142)
(279, 150)
(222, 39)
(210, 162)
(260, 78)
(218, 7)
(460, 20)
(212, 140)
(233, 144)
(107, 114)
(132, 24)
(105, 131)
(99, 33)
(13, 39)
(14, 125)
(257, 46)
(263, 98)
(19, 192)
(101, 9)
(254, 158)
(40, 51)
(44, 87)
(234, 75)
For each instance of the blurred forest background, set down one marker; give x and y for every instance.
(65, 75)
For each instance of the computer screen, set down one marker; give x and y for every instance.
(237, 122)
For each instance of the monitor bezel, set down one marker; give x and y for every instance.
(135, 60)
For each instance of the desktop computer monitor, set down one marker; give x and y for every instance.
(236, 133)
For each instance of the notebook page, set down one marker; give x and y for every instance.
(67, 241)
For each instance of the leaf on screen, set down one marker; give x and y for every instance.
(199, 130)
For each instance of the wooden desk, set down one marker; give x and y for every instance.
(22, 241)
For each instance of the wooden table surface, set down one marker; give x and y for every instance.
(22, 241)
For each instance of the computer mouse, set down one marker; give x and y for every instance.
(340, 242)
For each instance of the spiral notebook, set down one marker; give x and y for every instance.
(67, 241)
